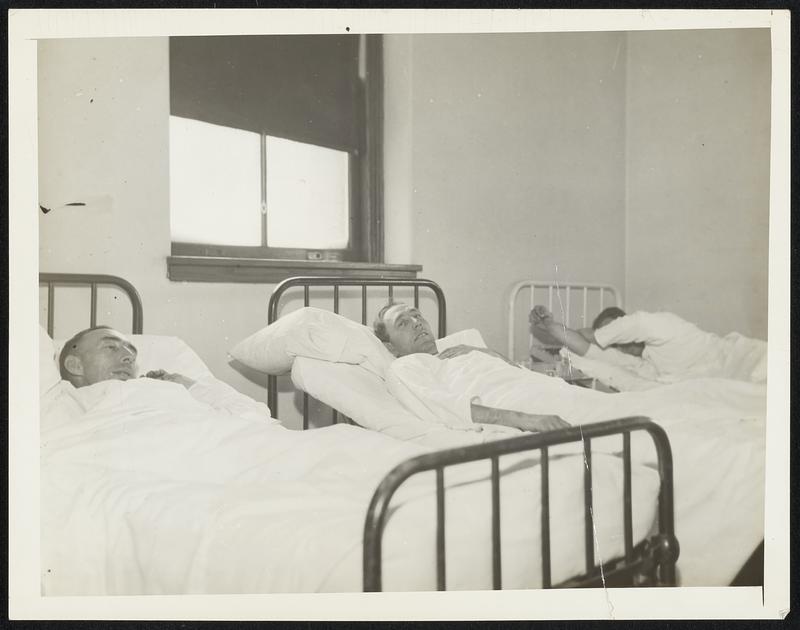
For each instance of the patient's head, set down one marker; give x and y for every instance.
(404, 330)
(608, 315)
(97, 354)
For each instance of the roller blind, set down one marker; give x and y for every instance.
(300, 87)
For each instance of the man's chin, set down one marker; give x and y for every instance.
(427, 347)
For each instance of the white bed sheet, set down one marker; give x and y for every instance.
(147, 491)
(364, 398)
(715, 427)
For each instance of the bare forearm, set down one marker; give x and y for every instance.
(493, 415)
(515, 419)
(577, 342)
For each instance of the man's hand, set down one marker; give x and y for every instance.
(537, 423)
(515, 419)
(162, 375)
(541, 317)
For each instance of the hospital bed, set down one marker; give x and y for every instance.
(732, 448)
(648, 551)
(576, 304)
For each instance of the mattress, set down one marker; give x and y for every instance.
(147, 491)
(715, 426)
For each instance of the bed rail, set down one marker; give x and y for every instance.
(309, 282)
(654, 559)
(553, 291)
(93, 281)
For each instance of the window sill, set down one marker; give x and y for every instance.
(265, 271)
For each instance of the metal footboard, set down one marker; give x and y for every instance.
(651, 562)
(336, 283)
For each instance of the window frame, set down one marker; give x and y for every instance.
(365, 249)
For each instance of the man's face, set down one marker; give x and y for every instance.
(409, 332)
(104, 355)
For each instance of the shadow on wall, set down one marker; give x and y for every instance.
(254, 376)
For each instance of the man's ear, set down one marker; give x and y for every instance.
(73, 365)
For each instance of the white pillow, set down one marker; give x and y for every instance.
(49, 374)
(363, 397)
(314, 334)
(468, 337)
(357, 393)
(162, 352)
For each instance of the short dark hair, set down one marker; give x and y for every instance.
(71, 345)
(612, 312)
(379, 325)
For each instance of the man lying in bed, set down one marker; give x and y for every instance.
(659, 347)
(100, 354)
(404, 331)
(446, 391)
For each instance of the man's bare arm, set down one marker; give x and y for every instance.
(516, 419)
(577, 342)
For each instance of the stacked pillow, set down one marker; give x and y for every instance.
(314, 334)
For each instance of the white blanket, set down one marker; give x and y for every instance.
(736, 357)
(715, 426)
(593, 364)
(147, 490)
(677, 350)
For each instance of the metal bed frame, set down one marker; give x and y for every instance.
(553, 289)
(307, 282)
(51, 280)
(651, 562)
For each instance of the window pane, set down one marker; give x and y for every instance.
(308, 197)
(215, 183)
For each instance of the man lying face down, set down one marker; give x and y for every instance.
(404, 331)
(661, 346)
(103, 354)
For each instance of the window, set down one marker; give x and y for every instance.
(308, 195)
(275, 149)
(215, 184)
(230, 187)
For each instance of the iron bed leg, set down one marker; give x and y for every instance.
(441, 567)
(546, 577)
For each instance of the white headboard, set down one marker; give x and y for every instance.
(574, 303)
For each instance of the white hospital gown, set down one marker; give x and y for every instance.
(677, 350)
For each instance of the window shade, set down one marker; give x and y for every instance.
(301, 87)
